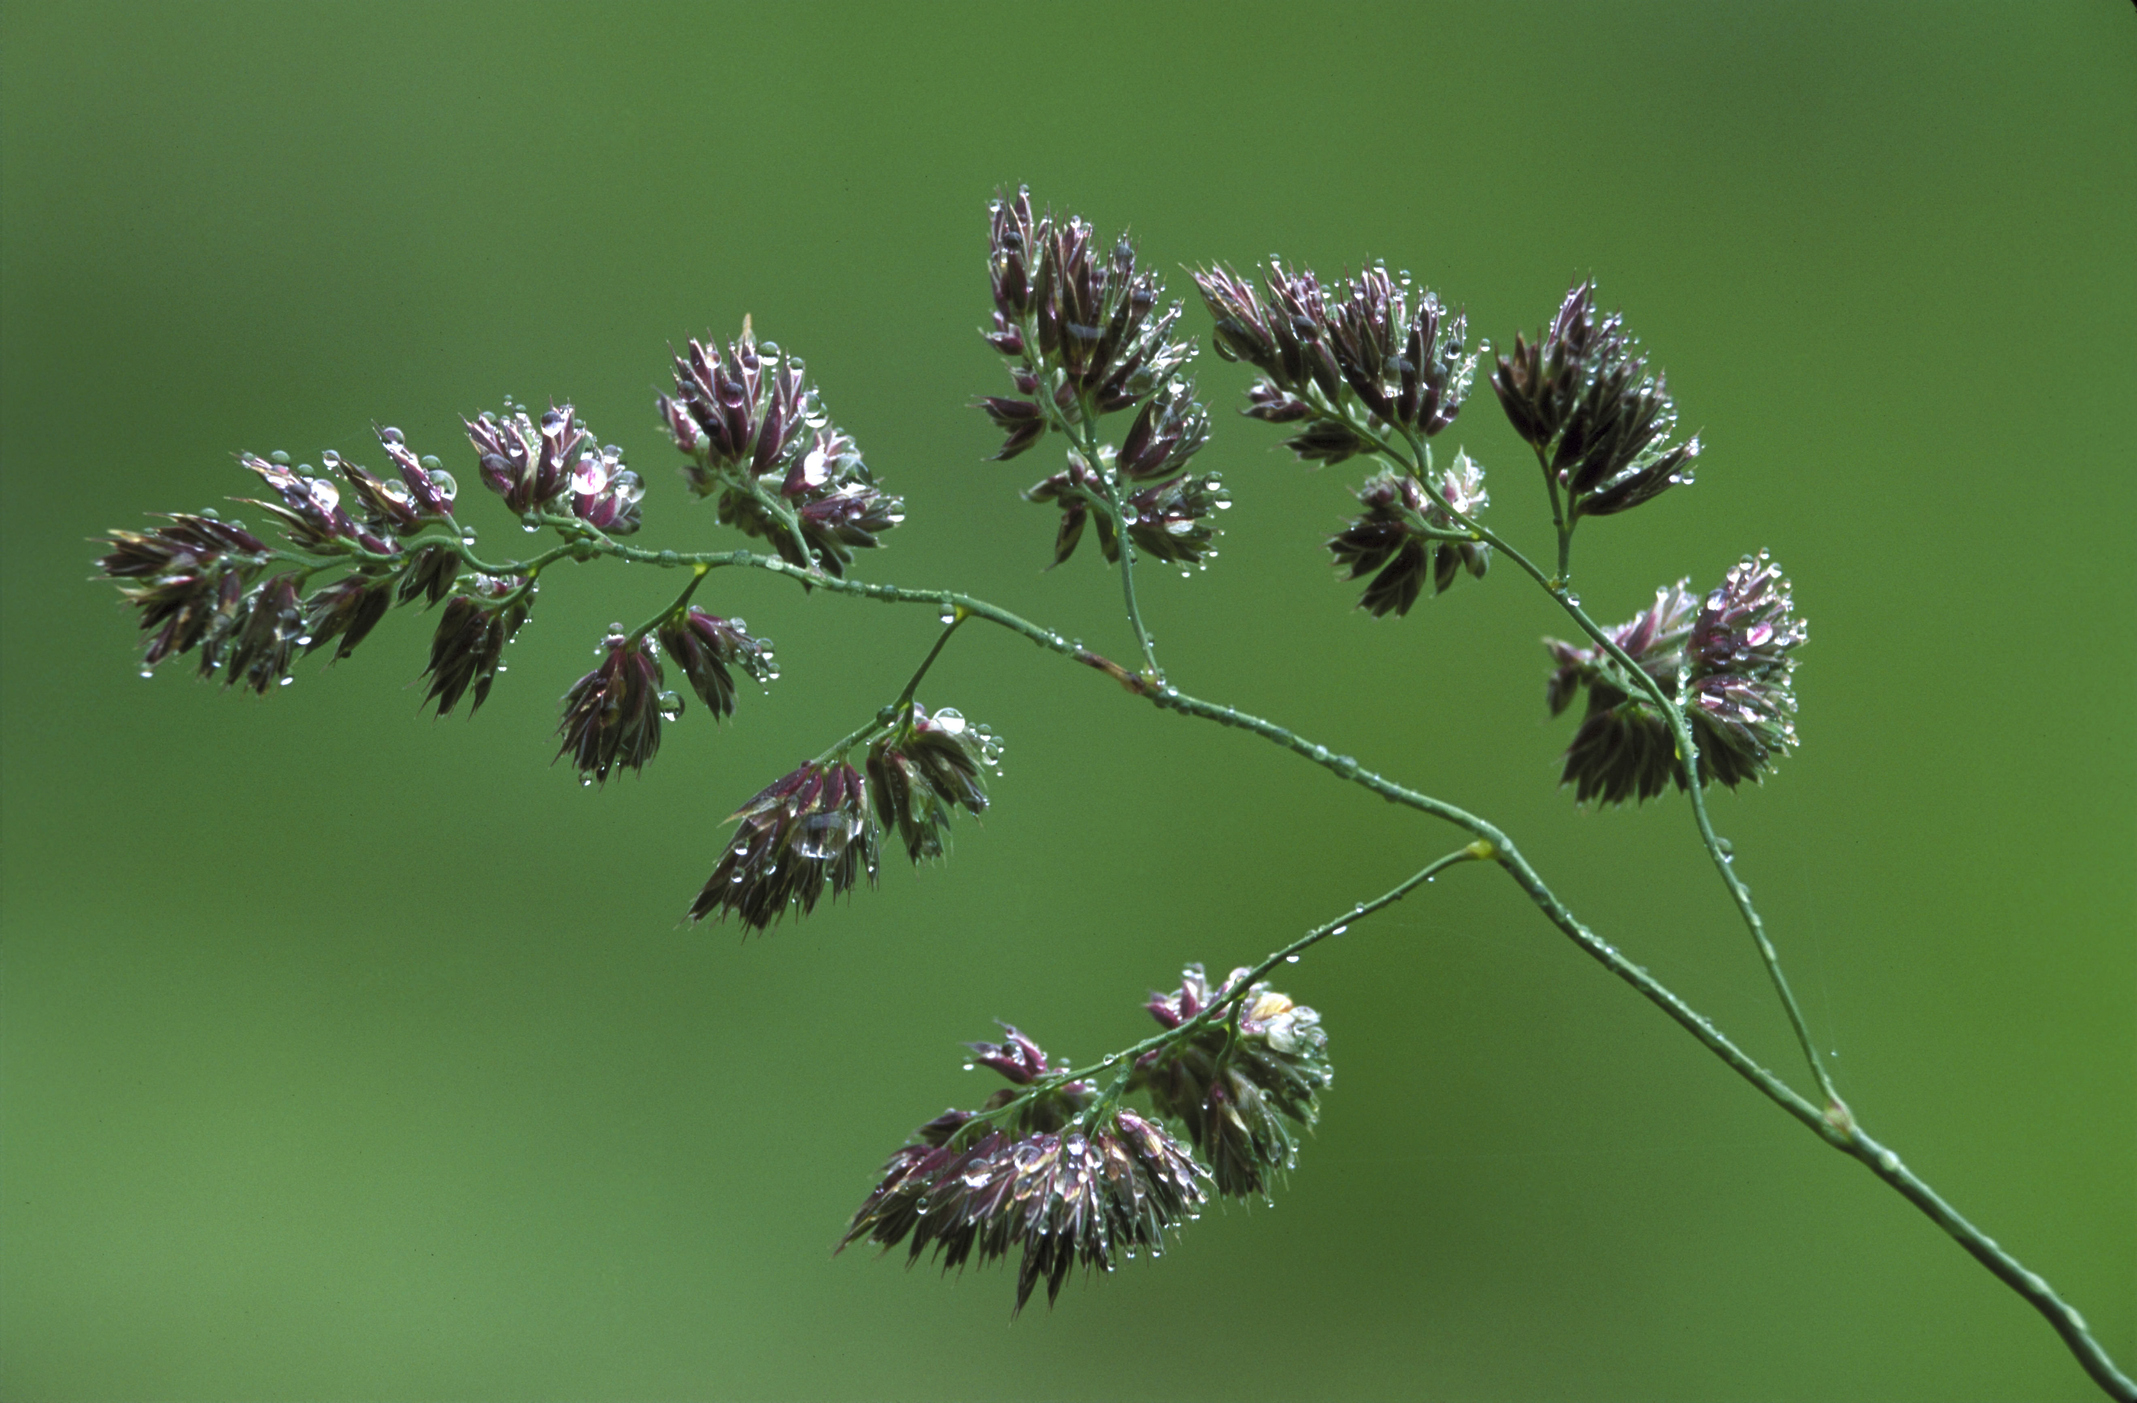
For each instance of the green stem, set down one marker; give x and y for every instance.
(905, 698)
(899, 712)
(1558, 524)
(697, 577)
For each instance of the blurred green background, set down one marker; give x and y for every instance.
(349, 1054)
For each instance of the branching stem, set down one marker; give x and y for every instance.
(1680, 730)
(1833, 1124)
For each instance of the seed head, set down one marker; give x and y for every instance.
(926, 768)
(1029, 1174)
(528, 465)
(1395, 353)
(706, 646)
(1393, 536)
(1080, 326)
(801, 834)
(186, 579)
(1241, 1081)
(612, 715)
(1582, 398)
(605, 494)
(309, 510)
(468, 649)
(260, 640)
(348, 609)
(1735, 653)
(1742, 651)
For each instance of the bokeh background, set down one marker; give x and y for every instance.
(350, 1054)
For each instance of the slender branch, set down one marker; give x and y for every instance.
(1235, 989)
(697, 577)
(1085, 432)
(1127, 580)
(905, 698)
(1559, 524)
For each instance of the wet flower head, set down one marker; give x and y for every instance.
(1580, 395)
(1742, 650)
(525, 463)
(1374, 346)
(467, 651)
(1078, 321)
(802, 834)
(612, 715)
(707, 647)
(761, 445)
(1394, 535)
(926, 768)
(420, 492)
(1242, 1081)
(1062, 1191)
(186, 580)
(605, 494)
(308, 508)
(1085, 337)
(1731, 653)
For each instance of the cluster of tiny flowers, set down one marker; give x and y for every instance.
(612, 715)
(760, 444)
(468, 650)
(1401, 534)
(1329, 356)
(1742, 700)
(1084, 337)
(538, 467)
(706, 647)
(821, 827)
(1168, 521)
(197, 581)
(923, 770)
(1046, 1171)
(802, 834)
(1728, 659)
(1081, 329)
(187, 579)
(1239, 1082)
(1582, 398)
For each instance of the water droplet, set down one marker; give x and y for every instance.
(1340, 929)
(585, 781)
(287, 680)
(304, 640)
(969, 1066)
(1293, 959)
(148, 672)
